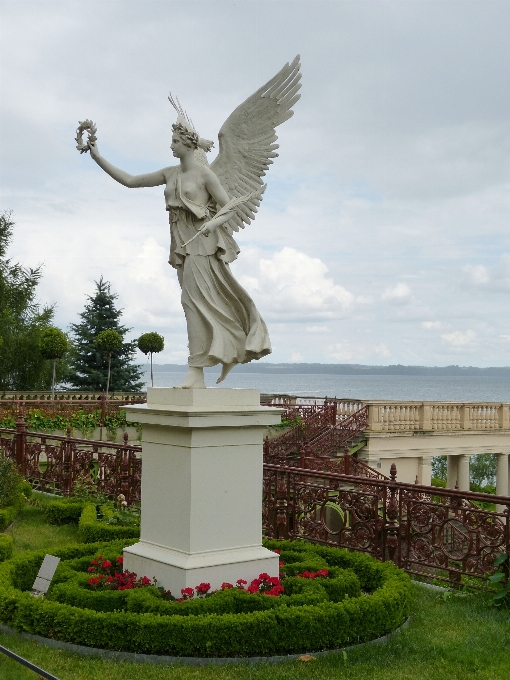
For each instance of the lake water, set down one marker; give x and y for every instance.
(400, 387)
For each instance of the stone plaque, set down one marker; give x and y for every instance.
(46, 572)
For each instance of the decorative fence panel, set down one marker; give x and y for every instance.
(428, 531)
(314, 419)
(55, 464)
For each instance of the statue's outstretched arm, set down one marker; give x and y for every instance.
(150, 179)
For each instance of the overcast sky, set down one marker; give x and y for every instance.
(384, 234)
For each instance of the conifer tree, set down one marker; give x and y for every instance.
(90, 362)
(22, 321)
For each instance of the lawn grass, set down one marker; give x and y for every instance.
(30, 530)
(453, 638)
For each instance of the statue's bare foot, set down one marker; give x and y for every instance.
(226, 368)
(194, 379)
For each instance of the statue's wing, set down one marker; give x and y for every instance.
(247, 140)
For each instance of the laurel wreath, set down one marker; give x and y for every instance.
(88, 127)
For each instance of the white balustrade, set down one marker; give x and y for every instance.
(394, 416)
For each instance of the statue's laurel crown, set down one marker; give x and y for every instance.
(185, 128)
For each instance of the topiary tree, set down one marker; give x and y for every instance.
(151, 343)
(89, 371)
(53, 346)
(109, 342)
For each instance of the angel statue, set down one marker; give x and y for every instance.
(206, 205)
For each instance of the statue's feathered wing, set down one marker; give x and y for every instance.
(247, 141)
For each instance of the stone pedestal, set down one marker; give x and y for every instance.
(201, 487)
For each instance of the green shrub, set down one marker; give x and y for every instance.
(64, 511)
(230, 623)
(6, 547)
(10, 482)
(90, 530)
(8, 515)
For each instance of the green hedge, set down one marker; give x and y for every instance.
(8, 514)
(90, 530)
(311, 615)
(64, 511)
(6, 547)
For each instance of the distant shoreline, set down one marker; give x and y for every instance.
(347, 369)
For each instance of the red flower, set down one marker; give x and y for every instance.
(145, 581)
(278, 552)
(202, 588)
(106, 564)
(91, 570)
(93, 582)
(94, 562)
(120, 560)
(226, 586)
(187, 593)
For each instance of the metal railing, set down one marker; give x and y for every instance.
(427, 531)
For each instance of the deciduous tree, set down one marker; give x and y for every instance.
(22, 320)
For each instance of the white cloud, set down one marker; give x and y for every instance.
(460, 339)
(295, 286)
(493, 278)
(317, 329)
(400, 293)
(429, 325)
(296, 356)
(345, 351)
(477, 273)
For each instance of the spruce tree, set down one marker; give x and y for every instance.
(89, 361)
(22, 321)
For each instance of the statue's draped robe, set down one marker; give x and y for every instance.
(223, 323)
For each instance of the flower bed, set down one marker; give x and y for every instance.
(359, 599)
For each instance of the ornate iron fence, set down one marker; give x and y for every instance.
(427, 531)
(315, 419)
(55, 464)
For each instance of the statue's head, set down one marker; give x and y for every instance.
(186, 131)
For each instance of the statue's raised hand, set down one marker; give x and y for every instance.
(94, 151)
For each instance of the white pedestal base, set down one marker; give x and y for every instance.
(201, 488)
(183, 570)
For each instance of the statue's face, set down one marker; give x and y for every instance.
(179, 149)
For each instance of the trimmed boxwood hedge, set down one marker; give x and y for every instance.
(6, 547)
(9, 513)
(64, 511)
(92, 531)
(362, 600)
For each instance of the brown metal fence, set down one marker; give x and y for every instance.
(427, 531)
(54, 463)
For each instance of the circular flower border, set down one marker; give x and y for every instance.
(200, 627)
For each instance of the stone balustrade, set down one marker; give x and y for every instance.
(434, 416)
(411, 433)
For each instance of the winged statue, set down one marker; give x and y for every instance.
(206, 205)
